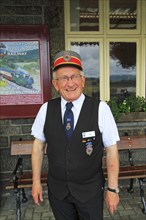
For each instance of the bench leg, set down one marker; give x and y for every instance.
(24, 198)
(18, 204)
(142, 195)
(130, 189)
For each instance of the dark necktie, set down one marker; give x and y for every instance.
(68, 120)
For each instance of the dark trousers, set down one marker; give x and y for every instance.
(71, 209)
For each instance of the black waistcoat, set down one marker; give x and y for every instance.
(71, 169)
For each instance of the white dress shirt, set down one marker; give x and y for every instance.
(106, 122)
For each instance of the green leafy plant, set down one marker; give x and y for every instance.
(127, 104)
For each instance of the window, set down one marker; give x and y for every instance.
(84, 15)
(110, 36)
(122, 68)
(123, 14)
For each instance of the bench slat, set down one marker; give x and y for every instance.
(22, 148)
(126, 142)
(134, 142)
(130, 172)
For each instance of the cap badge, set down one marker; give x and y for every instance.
(66, 56)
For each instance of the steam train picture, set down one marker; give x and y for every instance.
(19, 76)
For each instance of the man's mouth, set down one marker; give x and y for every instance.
(70, 90)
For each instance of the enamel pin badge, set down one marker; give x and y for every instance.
(68, 126)
(89, 148)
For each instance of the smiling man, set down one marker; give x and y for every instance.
(76, 129)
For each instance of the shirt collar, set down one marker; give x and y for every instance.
(77, 103)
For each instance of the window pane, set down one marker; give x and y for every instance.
(122, 68)
(90, 59)
(123, 14)
(84, 15)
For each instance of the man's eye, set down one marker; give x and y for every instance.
(64, 78)
(75, 76)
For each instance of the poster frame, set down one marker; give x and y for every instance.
(22, 33)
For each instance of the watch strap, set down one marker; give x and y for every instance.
(113, 190)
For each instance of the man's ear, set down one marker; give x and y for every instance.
(55, 85)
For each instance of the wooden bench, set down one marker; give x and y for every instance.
(23, 179)
(132, 170)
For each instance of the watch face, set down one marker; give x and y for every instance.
(117, 190)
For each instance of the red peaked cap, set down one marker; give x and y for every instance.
(67, 58)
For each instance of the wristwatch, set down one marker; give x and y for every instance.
(116, 190)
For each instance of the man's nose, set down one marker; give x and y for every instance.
(70, 80)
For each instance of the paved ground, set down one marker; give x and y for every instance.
(128, 209)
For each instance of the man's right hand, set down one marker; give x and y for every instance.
(37, 193)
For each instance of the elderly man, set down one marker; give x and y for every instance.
(76, 129)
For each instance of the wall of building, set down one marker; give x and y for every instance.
(50, 12)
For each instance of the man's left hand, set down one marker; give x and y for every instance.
(112, 200)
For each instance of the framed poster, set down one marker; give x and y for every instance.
(24, 70)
